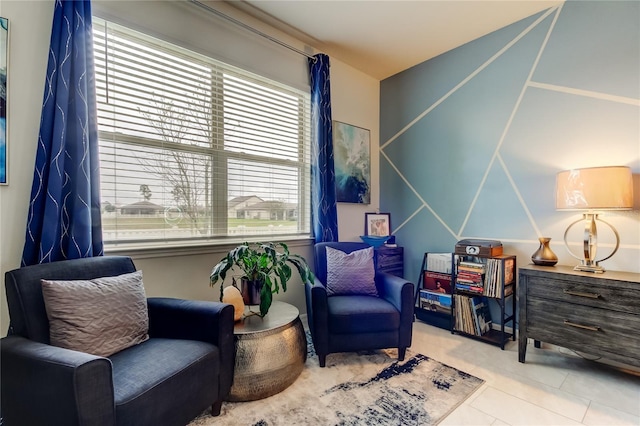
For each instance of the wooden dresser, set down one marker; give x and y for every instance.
(597, 314)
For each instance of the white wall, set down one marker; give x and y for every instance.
(167, 273)
(355, 99)
(29, 33)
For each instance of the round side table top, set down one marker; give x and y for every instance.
(280, 314)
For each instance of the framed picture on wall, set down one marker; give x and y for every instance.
(377, 224)
(4, 57)
(352, 163)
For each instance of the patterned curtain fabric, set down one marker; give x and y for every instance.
(63, 221)
(324, 213)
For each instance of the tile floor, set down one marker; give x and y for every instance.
(554, 387)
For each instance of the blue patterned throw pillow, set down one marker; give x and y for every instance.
(351, 273)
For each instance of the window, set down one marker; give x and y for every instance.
(194, 149)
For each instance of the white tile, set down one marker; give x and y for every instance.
(606, 386)
(516, 411)
(551, 398)
(499, 422)
(599, 414)
(441, 345)
(467, 415)
(540, 366)
(474, 395)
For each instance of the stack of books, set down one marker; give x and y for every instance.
(471, 277)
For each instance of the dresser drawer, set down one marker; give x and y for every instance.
(583, 328)
(604, 296)
(389, 257)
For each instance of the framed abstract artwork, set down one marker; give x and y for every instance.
(4, 57)
(377, 224)
(352, 162)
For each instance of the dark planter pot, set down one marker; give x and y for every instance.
(250, 291)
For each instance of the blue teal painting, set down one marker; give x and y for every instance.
(352, 162)
(4, 44)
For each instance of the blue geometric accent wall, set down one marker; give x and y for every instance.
(471, 141)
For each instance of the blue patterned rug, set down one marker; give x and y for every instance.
(366, 388)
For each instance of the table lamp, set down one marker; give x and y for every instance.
(594, 189)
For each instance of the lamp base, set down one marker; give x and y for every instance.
(596, 269)
(589, 263)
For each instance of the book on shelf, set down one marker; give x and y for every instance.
(472, 314)
(470, 274)
(481, 314)
(439, 262)
(436, 302)
(470, 278)
(474, 267)
(437, 282)
(463, 319)
(509, 267)
(469, 288)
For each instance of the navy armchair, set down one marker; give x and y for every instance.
(354, 322)
(184, 367)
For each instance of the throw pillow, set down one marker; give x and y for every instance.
(351, 273)
(100, 316)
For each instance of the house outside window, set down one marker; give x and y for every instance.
(195, 149)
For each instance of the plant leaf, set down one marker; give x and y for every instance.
(265, 299)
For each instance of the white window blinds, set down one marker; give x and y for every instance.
(191, 148)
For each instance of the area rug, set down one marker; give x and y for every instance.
(365, 388)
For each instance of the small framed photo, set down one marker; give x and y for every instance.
(377, 224)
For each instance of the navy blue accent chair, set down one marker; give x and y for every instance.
(185, 367)
(351, 323)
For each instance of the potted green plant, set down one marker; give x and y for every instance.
(265, 268)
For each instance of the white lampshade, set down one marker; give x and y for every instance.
(601, 188)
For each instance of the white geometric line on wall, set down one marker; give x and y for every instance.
(442, 99)
(422, 200)
(488, 221)
(520, 197)
(504, 134)
(586, 93)
(470, 76)
(411, 216)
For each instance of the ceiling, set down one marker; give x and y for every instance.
(382, 38)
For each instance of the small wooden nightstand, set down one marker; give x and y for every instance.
(390, 259)
(596, 314)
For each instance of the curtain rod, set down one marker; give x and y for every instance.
(250, 28)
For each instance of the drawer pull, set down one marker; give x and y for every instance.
(578, 293)
(585, 327)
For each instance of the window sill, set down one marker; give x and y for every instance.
(182, 248)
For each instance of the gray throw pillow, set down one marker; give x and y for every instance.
(351, 273)
(100, 316)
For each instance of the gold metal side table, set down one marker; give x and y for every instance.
(270, 353)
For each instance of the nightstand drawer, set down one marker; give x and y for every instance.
(588, 294)
(583, 328)
(389, 257)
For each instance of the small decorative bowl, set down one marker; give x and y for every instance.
(374, 240)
